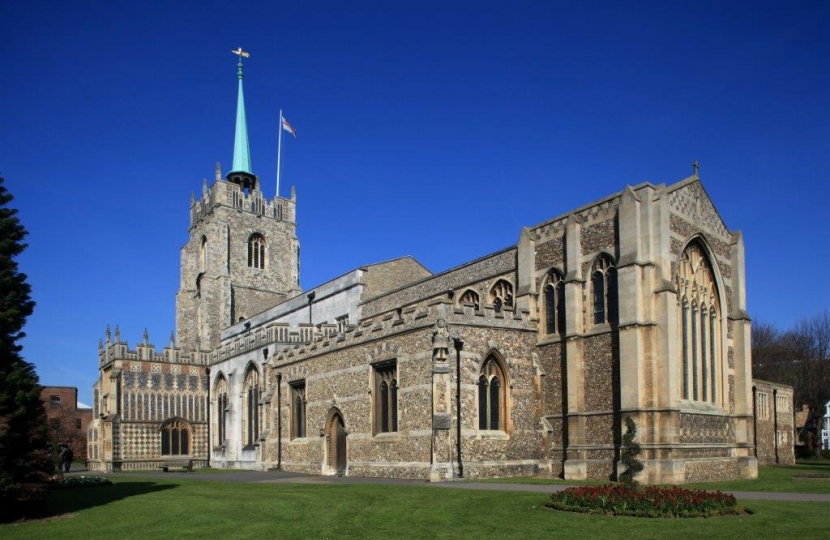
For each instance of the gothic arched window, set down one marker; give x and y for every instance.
(554, 302)
(470, 298)
(699, 321)
(256, 251)
(386, 397)
(604, 290)
(492, 399)
(220, 404)
(501, 295)
(298, 404)
(251, 395)
(175, 438)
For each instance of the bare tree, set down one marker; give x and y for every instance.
(799, 357)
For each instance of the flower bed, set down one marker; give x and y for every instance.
(649, 501)
(79, 481)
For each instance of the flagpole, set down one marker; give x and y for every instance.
(279, 152)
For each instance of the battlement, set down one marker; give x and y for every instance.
(231, 195)
(110, 350)
(404, 319)
(308, 339)
(278, 333)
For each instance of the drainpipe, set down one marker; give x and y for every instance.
(755, 419)
(775, 420)
(279, 421)
(209, 450)
(458, 346)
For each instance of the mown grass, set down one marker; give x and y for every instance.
(181, 508)
(777, 479)
(774, 479)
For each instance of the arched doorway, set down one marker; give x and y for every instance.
(336, 444)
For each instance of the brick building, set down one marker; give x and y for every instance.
(68, 420)
(523, 362)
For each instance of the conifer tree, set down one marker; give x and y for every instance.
(630, 450)
(25, 463)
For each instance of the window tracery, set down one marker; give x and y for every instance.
(298, 412)
(175, 438)
(554, 302)
(699, 322)
(501, 295)
(256, 251)
(251, 393)
(221, 404)
(470, 298)
(492, 402)
(386, 397)
(604, 287)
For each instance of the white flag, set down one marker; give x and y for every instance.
(287, 127)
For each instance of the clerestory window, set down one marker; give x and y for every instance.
(501, 295)
(470, 298)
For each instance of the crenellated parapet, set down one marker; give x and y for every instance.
(112, 348)
(231, 195)
(274, 333)
(406, 319)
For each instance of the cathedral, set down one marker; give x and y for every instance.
(523, 362)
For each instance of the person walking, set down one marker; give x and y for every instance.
(68, 456)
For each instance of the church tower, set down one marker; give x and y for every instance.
(242, 254)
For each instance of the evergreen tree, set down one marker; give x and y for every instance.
(25, 463)
(630, 450)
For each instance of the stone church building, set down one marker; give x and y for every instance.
(522, 362)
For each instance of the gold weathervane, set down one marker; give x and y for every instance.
(239, 52)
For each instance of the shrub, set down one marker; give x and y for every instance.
(651, 501)
(628, 457)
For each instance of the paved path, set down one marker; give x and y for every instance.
(279, 477)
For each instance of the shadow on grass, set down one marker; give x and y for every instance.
(808, 463)
(65, 501)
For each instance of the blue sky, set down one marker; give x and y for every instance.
(434, 129)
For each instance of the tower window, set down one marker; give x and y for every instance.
(256, 251)
(203, 254)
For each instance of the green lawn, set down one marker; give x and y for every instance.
(779, 479)
(181, 508)
(770, 478)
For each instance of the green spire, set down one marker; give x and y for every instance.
(241, 151)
